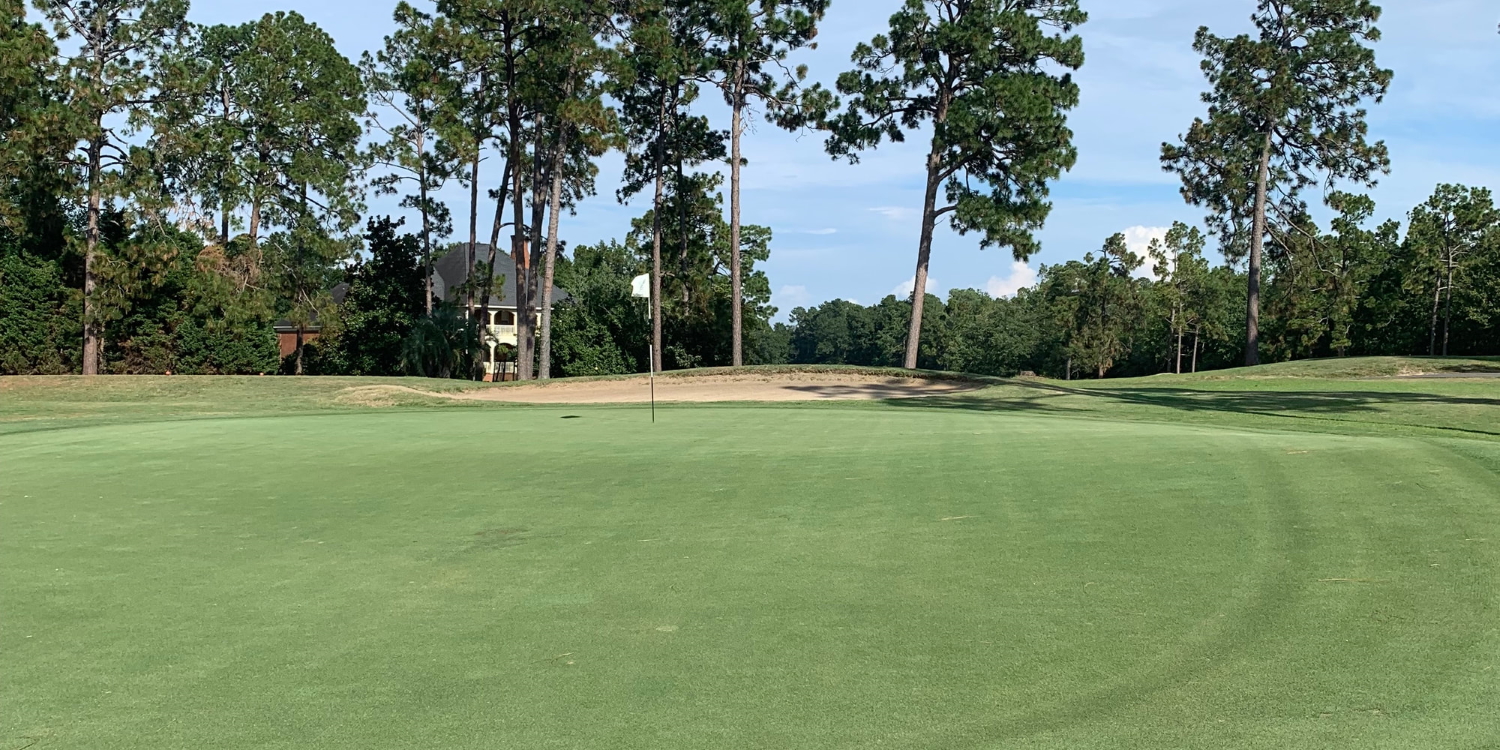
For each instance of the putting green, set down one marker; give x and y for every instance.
(777, 577)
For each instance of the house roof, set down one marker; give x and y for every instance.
(338, 292)
(450, 272)
(452, 269)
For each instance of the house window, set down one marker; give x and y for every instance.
(506, 318)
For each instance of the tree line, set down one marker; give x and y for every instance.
(163, 177)
(172, 190)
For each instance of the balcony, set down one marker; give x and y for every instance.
(501, 334)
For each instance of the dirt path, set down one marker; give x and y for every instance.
(798, 387)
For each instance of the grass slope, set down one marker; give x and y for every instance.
(1267, 563)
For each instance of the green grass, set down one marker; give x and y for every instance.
(1362, 367)
(1263, 562)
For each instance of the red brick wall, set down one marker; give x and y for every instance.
(289, 342)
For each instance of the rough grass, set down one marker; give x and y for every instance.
(1284, 562)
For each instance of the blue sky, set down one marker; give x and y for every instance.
(851, 231)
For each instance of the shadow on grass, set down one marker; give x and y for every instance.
(1053, 398)
(893, 389)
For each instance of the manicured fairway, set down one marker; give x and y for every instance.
(747, 577)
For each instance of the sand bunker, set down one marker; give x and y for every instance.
(790, 387)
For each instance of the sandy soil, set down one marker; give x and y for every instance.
(799, 387)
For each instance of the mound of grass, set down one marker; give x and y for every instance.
(1296, 400)
(30, 403)
(1359, 367)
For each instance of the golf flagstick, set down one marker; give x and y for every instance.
(640, 286)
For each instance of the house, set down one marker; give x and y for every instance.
(286, 331)
(451, 274)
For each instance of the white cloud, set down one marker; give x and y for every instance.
(1138, 239)
(1021, 277)
(903, 290)
(821, 231)
(896, 213)
(793, 296)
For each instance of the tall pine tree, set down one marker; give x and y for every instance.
(1284, 114)
(991, 78)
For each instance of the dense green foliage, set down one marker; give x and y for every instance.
(40, 317)
(386, 298)
(604, 331)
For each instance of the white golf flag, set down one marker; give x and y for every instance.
(640, 286)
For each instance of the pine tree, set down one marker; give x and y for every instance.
(1284, 113)
(991, 78)
(664, 48)
(751, 41)
(110, 74)
(1447, 237)
(404, 80)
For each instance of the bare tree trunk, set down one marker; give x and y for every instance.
(517, 254)
(656, 357)
(224, 226)
(1181, 329)
(1448, 307)
(92, 345)
(526, 334)
(736, 283)
(1197, 340)
(1068, 373)
(254, 229)
(224, 177)
(549, 261)
(1437, 300)
(473, 226)
(426, 229)
(924, 256)
(1257, 247)
(300, 344)
(682, 212)
(519, 251)
(501, 196)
